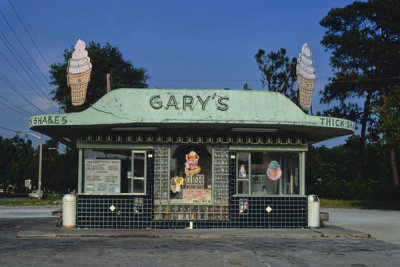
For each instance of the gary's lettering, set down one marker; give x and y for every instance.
(188, 102)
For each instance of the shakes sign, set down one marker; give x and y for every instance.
(48, 120)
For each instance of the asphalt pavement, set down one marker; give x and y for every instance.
(254, 250)
(29, 237)
(25, 212)
(380, 224)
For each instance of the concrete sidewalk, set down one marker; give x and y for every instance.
(47, 231)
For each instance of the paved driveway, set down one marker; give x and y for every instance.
(25, 212)
(381, 224)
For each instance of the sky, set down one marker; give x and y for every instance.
(182, 44)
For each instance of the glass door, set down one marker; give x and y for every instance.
(137, 181)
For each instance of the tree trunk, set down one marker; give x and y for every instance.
(364, 121)
(395, 174)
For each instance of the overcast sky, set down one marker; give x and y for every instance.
(182, 44)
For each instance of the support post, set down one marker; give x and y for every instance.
(302, 173)
(80, 156)
(40, 166)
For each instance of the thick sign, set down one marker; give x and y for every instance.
(336, 122)
(102, 176)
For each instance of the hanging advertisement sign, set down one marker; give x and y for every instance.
(202, 196)
(79, 69)
(102, 176)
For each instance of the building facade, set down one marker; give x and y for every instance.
(153, 158)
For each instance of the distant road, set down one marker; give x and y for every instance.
(25, 212)
(381, 224)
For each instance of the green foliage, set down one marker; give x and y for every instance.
(332, 173)
(104, 59)
(389, 119)
(60, 171)
(278, 72)
(50, 201)
(19, 162)
(363, 38)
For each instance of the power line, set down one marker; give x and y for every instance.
(207, 81)
(8, 129)
(27, 32)
(10, 107)
(9, 84)
(14, 106)
(252, 80)
(7, 44)
(366, 80)
(22, 77)
(17, 106)
(23, 46)
(18, 58)
(17, 131)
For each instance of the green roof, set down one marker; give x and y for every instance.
(202, 110)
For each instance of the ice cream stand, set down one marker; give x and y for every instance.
(165, 158)
(162, 158)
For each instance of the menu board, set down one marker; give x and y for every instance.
(194, 196)
(102, 176)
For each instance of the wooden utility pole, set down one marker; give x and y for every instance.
(108, 82)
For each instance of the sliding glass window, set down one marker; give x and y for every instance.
(267, 173)
(114, 171)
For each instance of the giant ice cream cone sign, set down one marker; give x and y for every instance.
(305, 72)
(79, 69)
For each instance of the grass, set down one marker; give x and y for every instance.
(50, 201)
(359, 204)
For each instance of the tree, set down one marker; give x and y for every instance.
(364, 38)
(18, 162)
(59, 170)
(104, 59)
(389, 122)
(278, 72)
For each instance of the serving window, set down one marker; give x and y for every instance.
(267, 173)
(114, 171)
(190, 174)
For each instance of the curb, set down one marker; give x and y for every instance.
(184, 235)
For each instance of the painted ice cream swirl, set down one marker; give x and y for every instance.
(305, 64)
(305, 72)
(79, 62)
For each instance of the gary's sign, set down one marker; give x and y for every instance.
(188, 102)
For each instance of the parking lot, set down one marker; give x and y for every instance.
(228, 251)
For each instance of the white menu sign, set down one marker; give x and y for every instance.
(102, 175)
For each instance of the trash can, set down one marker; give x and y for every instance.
(69, 211)
(313, 211)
